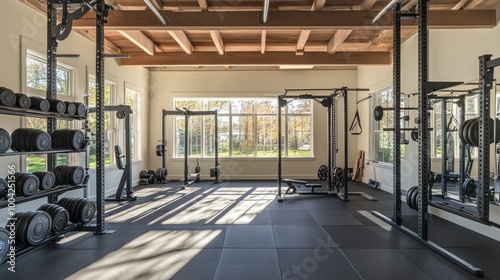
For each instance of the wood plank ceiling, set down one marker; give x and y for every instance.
(314, 33)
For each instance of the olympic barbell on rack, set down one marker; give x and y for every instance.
(378, 111)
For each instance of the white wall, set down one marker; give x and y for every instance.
(167, 85)
(453, 56)
(20, 27)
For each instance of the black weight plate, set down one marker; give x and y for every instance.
(473, 133)
(120, 114)
(378, 113)
(408, 197)
(39, 228)
(159, 150)
(81, 110)
(43, 141)
(88, 212)
(30, 184)
(58, 171)
(14, 144)
(414, 135)
(79, 209)
(55, 140)
(40, 104)
(32, 143)
(497, 129)
(70, 108)
(4, 244)
(23, 101)
(77, 175)
(469, 187)
(492, 130)
(20, 179)
(22, 223)
(462, 132)
(60, 220)
(4, 188)
(78, 140)
(47, 179)
(7, 97)
(323, 172)
(414, 199)
(158, 175)
(143, 174)
(466, 131)
(5, 141)
(63, 202)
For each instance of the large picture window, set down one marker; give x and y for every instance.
(246, 128)
(383, 140)
(132, 99)
(36, 85)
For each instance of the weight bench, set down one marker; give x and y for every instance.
(293, 185)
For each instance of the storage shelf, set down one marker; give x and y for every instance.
(41, 152)
(41, 194)
(36, 113)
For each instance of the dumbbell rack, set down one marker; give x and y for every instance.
(52, 193)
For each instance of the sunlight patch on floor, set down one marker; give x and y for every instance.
(371, 217)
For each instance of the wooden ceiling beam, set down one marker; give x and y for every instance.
(365, 5)
(263, 37)
(381, 36)
(277, 58)
(352, 20)
(475, 3)
(410, 4)
(181, 38)
(337, 39)
(219, 44)
(140, 40)
(301, 42)
(460, 5)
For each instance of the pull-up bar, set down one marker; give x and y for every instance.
(334, 90)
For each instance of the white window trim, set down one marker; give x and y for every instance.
(137, 117)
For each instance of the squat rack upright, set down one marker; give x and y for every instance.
(329, 102)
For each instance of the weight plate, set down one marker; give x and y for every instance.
(461, 131)
(43, 141)
(73, 217)
(466, 132)
(473, 133)
(159, 150)
(88, 212)
(4, 244)
(22, 224)
(414, 199)
(40, 104)
(143, 174)
(323, 172)
(39, 227)
(378, 113)
(81, 110)
(4, 188)
(77, 175)
(30, 184)
(47, 179)
(159, 175)
(31, 144)
(78, 140)
(408, 197)
(70, 108)
(7, 97)
(469, 187)
(60, 219)
(23, 101)
(5, 141)
(414, 135)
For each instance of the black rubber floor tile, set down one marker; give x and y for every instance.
(356, 237)
(207, 237)
(197, 265)
(292, 217)
(395, 237)
(378, 264)
(248, 264)
(322, 203)
(289, 236)
(317, 264)
(483, 258)
(334, 217)
(249, 237)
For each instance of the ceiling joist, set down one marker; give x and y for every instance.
(219, 44)
(140, 40)
(337, 39)
(301, 42)
(263, 37)
(203, 5)
(352, 20)
(239, 59)
(181, 38)
(318, 5)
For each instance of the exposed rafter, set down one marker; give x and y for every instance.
(278, 58)
(352, 20)
(263, 37)
(337, 39)
(474, 3)
(365, 5)
(203, 5)
(410, 4)
(301, 42)
(460, 5)
(181, 38)
(318, 5)
(140, 40)
(219, 44)
(381, 36)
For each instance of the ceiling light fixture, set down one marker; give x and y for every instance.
(156, 12)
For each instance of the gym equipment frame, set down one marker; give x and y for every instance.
(123, 112)
(425, 88)
(188, 113)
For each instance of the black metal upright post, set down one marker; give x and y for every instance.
(186, 150)
(346, 147)
(329, 143)
(128, 157)
(163, 139)
(396, 90)
(333, 140)
(444, 151)
(100, 140)
(280, 197)
(423, 132)
(216, 144)
(462, 152)
(485, 86)
(51, 79)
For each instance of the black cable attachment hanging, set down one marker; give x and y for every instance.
(356, 122)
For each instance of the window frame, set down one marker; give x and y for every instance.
(229, 115)
(136, 109)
